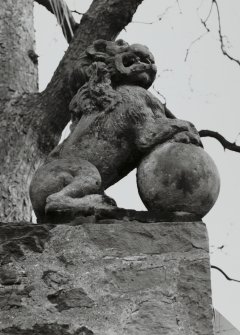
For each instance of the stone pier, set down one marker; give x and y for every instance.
(105, 276)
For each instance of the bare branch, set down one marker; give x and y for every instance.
(204, 23)
(168, 113)
(226, 144)
(67, 23)
(208, 16)
(221, 36)
(192, 44)
(161, 96)
(142, 22)
(77, 12)
(159, 17)
(225, 275)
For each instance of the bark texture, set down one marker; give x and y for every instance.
(18, 77)
(31, 124)
(18, 70)
(108, 277)
(19, 156)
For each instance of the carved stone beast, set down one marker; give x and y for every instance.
(115, 123)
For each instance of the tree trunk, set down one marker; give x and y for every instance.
(18, 75)
(31, 123)
(18, 71)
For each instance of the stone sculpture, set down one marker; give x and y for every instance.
(116, 125)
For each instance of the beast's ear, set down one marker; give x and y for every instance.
(97, 48)
(122, 43)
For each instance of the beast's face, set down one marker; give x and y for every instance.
(126, 64)
(135, 66)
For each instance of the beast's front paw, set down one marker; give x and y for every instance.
(188, 137)
(88, 203)
(55, 202)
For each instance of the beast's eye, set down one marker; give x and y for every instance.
(129, 60)
(146, 59)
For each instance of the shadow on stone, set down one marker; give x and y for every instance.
(47, 329)
(76, 297)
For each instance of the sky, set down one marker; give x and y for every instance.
(199, 84)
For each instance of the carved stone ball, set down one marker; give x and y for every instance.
(180, 178)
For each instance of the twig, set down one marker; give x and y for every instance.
(208, 16)
(77, 12)
(221, 247)
(179, 7)
(235, 141)
(226, 144)
(221, 37)
(160, 95)
(67, 23)
(225, 275)
(220, 34)
(160, 17)
(192, 43)
(204, 23)
(142, 22)
(202, 1)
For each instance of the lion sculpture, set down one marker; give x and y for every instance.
(115, 123)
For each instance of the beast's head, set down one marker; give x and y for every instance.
(126, 64)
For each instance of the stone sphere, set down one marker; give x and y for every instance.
(180, 178)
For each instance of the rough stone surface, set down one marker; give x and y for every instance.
(116, 122)
(178, 177)
(112, 277)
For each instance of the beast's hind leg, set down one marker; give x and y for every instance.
(66, 184)
(82, 193)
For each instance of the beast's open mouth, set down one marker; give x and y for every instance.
(130, 59)
(134, 62)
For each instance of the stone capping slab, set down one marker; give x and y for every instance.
(94, 215)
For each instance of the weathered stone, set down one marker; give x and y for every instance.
(70, 299)
(15, 238)
(116, 122)
(105, 216)
(13, 296)
(9, 276)
(47, 329)
(53, 279)
(119, 278)
(178, 177)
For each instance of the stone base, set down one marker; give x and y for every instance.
(114, 277)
